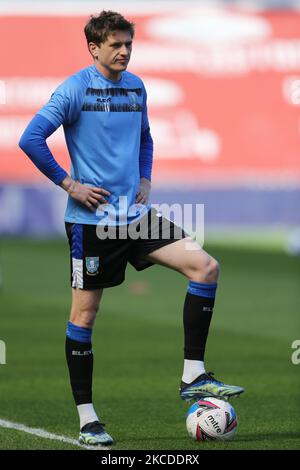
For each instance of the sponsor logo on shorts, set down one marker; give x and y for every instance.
(92, 265)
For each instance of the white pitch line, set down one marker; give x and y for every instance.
(47, 435)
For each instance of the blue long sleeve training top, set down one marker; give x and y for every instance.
(108, 138)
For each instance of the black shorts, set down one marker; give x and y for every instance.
(99, 260)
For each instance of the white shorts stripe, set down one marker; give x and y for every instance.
(77, 273)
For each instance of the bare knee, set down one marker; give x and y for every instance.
(83, 317)
(84, 309)
(213, 270)
(207, 271)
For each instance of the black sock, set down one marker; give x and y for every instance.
(197, 314)
(79, 357)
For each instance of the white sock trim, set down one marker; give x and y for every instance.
(87, 414)
(191, 370)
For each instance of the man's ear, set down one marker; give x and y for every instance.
(93, 48)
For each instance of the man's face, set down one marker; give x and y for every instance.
(114, 53)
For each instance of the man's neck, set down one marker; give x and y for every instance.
(111, 75)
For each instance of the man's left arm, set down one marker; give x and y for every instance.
(146, 157)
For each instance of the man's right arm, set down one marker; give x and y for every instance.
(33, 143)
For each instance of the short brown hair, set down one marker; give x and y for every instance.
(100, 27)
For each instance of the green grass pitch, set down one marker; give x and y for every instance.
(138, 350)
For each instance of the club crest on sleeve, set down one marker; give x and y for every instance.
(92, 265)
